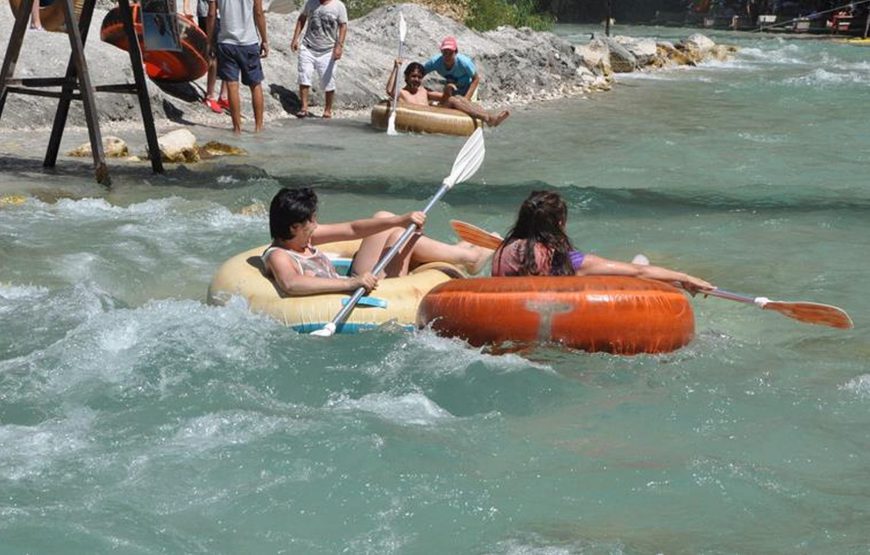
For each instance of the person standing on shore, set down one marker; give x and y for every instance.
(457, 69)
(35, 21)
(320, 49)
(240, 44)
(221, 103)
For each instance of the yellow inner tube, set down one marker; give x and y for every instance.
(51, 16)
(395, 299)
(425, 119)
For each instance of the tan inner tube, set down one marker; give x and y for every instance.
(242, 275)
(425, 119)
(51, 16)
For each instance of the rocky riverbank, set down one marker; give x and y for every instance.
(516, 64)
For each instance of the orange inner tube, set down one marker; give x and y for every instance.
(189, 64)
(613, 314)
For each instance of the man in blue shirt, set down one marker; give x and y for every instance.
(458, 69)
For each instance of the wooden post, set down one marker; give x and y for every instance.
(14, 48)
(77, 66)
(141, 86)
(76, 84)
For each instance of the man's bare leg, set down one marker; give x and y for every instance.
(476, 111)
(257, 100)
(303, 99)
(327, 104)
(235, 106)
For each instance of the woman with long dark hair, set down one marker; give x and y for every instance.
(537, 245)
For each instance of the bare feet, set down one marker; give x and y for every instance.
(478, 257)
(494, 121)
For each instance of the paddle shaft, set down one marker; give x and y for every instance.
(396, 83)
(392, 120)
(467, 162)
(722, 294)
(382, 263)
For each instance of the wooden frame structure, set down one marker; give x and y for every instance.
(76, 84)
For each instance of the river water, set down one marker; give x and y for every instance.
(134, 418)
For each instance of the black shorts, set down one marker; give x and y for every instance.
(234, 59)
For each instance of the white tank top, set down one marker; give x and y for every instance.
(315, 264)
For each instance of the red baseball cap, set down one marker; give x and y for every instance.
(449, 43)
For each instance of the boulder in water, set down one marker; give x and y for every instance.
(113, 147)
(216, 148)
(178, 146)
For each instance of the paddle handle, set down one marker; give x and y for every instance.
(382, 263)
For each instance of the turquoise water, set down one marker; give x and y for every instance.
(136, 419)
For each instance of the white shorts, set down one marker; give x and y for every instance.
(309, 62)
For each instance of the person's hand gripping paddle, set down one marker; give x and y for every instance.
(466, 164)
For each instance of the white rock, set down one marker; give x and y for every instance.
(699, 42)
(178, 146)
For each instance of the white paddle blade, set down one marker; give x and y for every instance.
(326, 331)
(403, 29)
(468, 160)
(391, 124)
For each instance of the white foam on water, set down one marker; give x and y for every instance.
(821, 77)
(537, 545)
(146, 349)
(166, 216)
(30, 451)
(789, 54)
(763, 138)
(77, 266)
(859, 386)
(90, 207)
(226, 428)
(409, 409)
(10, 292)
(175, 217)
(460, 355)
(834, 62)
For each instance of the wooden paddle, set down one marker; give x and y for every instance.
(807, 312)
(466, 164)
(475, 235)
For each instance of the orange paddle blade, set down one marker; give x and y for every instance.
(475, 235)
(813, 313)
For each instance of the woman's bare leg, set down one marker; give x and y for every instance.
(375, 246)
(419, 250)
(471, 257)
